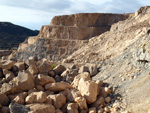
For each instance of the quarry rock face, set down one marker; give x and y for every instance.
(66, 34)
(109, 74)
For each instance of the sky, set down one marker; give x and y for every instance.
(35, 13)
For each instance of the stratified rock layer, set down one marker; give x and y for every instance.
(66, 34)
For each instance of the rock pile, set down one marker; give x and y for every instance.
(36, 87)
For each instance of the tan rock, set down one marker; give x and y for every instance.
(83, 111)
(100, 110)
(41, 108)
(81, 102)
(45, 79)
(36, 97)
(20, 65)
(76, 80)
(65, 92)
(106, 109)
(59, 100)
(107, 99)
(59, 69)
(4, 109)
(88, 89)
(57, 87)
(92, 110)
(51, 73)
(20, 98)
(104, 91)
(33, 69)
(99, 82)
(39, 87)
(44, 67)
(73, 93)
(4, 99)
(8, 75)
(72, 108)
(100, 101)
(32, 90)
(7, 64)
(58, 111)
(49, 92)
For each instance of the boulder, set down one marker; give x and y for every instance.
(45, 79)
(84, 75)
(91, 68)
(8, 75)
(58, 111)
(88, 89)
(20, 65)
(33, 69)
(39, 87)
(44, 67)
(73, 93)
(4, 101)
(65, 92)
(104, 91)
(4, 109)
(36, 97)
(58, 100)
(81, 102)
(57, 87)
(83, 69)
(72, 108)
(41, 108)
(20, 98)
(59, 69)
(18, 108)
(69, 74)
(24, 81)
(6, 64)
(100, 101)
(92, 110)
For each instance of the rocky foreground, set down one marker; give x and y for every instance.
(39, 87)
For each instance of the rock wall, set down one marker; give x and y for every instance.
(65, 34)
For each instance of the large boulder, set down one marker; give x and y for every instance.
(57, 87)
(88, 89)
(36, 97)
(44, 67)
(20, 98)
(58, 100)
(82, 103)
(91, 68)
(84, 75)
(59, 69)
(6, 64)
(20, 65)
(41, 108)
(73, 93)
(45, 79)
(72, 108)
(4, 99)
(18, 108)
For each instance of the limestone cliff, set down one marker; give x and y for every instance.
(66, 34)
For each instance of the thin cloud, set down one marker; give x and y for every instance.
(35, 13)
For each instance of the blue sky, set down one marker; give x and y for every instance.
(35, 13)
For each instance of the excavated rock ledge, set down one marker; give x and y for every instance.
(66, 34)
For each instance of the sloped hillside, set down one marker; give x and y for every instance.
(12, 35)
(123, 55)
